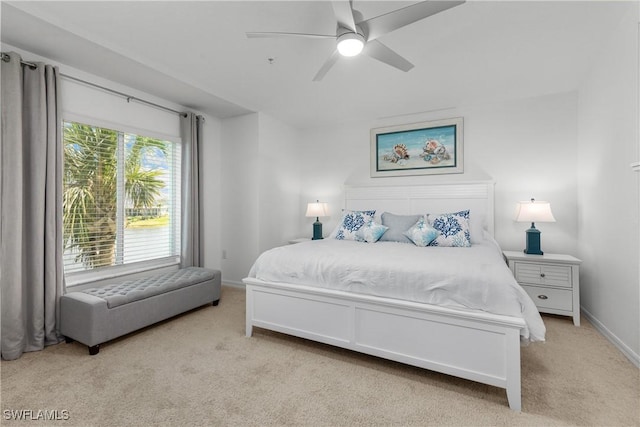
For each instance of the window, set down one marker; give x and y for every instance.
(121, 198)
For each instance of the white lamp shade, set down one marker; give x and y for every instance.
(534, 211)
(317, 209)
(350, 44)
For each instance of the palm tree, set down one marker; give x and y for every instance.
(90, 188)
(143, 187)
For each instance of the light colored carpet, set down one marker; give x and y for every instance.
(200, 369)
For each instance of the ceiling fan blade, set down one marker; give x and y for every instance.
(382, 53)
(254, 35)
(383, 24)
(344, 14)
(327, 66)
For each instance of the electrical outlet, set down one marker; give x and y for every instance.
(224, 254)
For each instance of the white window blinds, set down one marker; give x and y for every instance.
(121, 198)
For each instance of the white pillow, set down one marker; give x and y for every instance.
(421, 233)
(370, 232)
(476, 226)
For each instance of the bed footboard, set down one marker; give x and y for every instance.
(477, 346)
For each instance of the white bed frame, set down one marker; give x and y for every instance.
(477, 346)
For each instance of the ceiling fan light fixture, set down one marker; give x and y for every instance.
(350, 44)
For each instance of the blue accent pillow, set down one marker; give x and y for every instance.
(397, 224)
(453, 228)
(370, 232)
(351, 222)
(422, 233)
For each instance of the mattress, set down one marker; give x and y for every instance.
(473, 278)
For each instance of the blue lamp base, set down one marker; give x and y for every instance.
(533, 241)
(317, 230)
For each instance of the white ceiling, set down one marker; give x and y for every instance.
(197, 54)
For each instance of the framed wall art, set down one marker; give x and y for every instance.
(425, 148)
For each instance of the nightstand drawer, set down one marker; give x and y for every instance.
(557, 299)
(543, 274)
(551, 280)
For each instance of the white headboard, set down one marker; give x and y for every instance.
(477, 196)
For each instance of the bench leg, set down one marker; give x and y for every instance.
(68, 340)
(94, 349)
(216, 302)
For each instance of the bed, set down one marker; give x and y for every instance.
(300, 290)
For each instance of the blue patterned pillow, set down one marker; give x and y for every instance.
(351, 222)
(421, 233)
(370, 232)
(453, 228)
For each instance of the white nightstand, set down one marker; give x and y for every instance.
(551, 280)
(299, 240)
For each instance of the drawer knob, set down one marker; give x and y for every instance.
(542, 275)
(543, 297)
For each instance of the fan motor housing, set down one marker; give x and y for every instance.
(341, 31)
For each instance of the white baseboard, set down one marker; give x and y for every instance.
(233, 284)
(629, 354)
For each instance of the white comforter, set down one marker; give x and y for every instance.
(475, 278)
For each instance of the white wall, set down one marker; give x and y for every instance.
(239, 201)
(528, 147)
(609, 191)
(279, 183)
(211, 192)
(260, 190)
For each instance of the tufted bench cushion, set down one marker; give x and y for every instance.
(134, 290)
(97, 315)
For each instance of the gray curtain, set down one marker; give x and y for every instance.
(191, 244)
(31, 269)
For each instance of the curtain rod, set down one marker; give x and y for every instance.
(124, 95)
(7, 58)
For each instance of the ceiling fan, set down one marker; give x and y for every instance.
(354, 35)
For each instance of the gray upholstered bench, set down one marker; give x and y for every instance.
(96, 315)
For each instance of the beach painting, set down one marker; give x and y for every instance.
(424, 148)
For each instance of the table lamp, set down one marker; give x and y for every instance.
(534, 211)
(317, 209)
